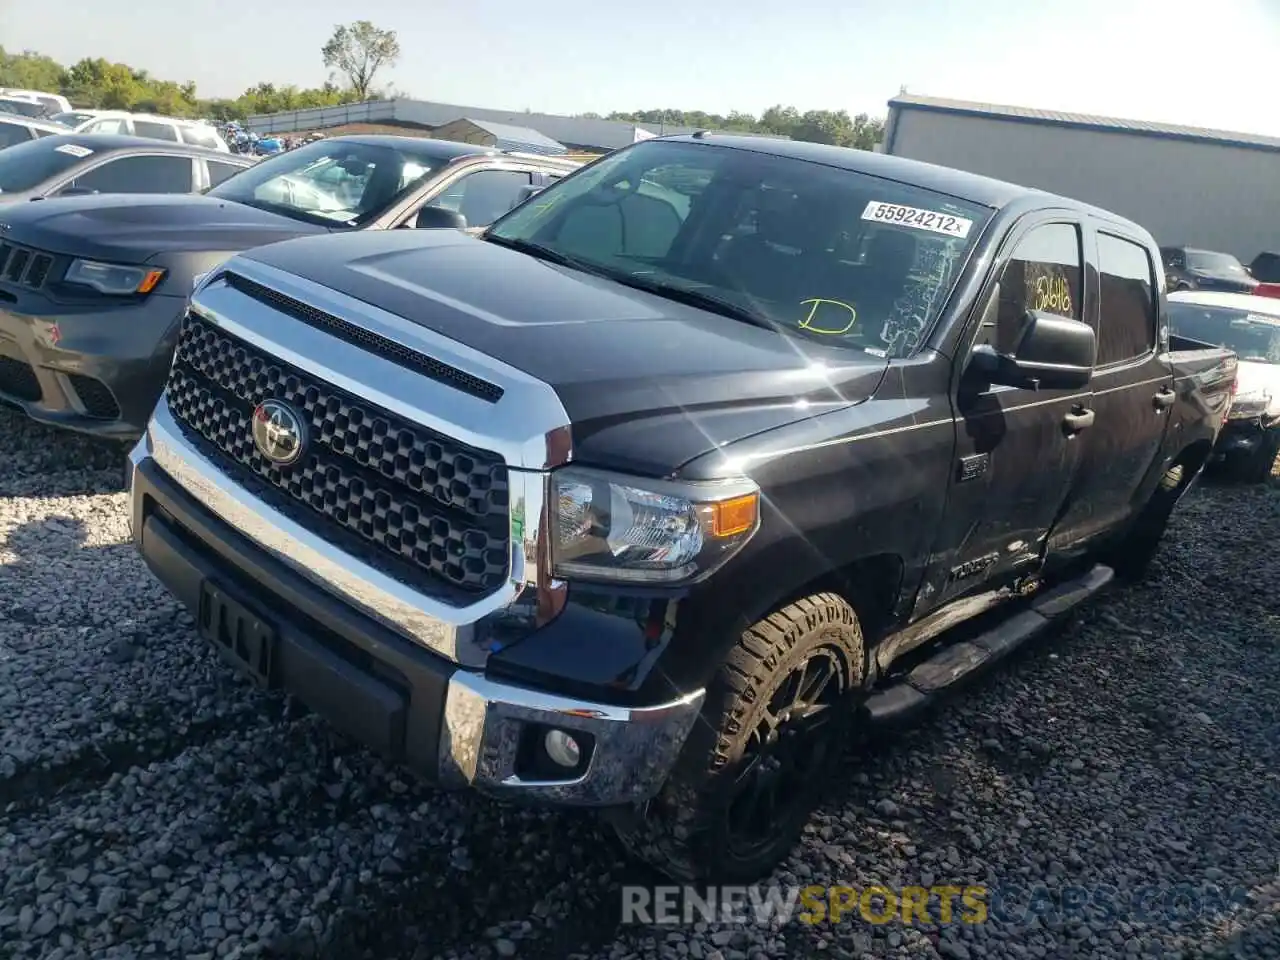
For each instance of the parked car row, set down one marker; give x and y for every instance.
(1187, 268)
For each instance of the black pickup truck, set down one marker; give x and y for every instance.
(641, 499)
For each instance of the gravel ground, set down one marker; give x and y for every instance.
(153, 804)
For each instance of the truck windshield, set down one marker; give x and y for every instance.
(27, 165)
(1209, 262)
(1248, 335)
(333, 182)
(807, 249)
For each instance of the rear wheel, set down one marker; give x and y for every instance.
(1132, 558)
(776, 717)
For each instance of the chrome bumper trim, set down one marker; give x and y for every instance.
(446, 630)
(635, 747)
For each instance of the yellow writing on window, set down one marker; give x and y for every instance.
(1053, 294)
(828, 323)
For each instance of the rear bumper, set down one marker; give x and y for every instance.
(449, 724)
(97, 371)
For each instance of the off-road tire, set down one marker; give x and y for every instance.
(1131, 559)
(682, 832)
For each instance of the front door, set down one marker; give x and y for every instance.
(1132, 395)
(1016, 451)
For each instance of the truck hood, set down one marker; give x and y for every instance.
(648, 383)
(134, 228)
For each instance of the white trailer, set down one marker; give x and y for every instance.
(1190, 187)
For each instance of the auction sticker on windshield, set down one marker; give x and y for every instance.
(914, 217)
(74, 150)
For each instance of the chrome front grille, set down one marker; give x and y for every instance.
(423, 507)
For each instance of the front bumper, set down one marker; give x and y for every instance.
(91, 369)
(452, 725)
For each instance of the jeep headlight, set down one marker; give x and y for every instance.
(113, 279)
(627, 529)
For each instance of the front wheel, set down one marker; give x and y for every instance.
(776, 716)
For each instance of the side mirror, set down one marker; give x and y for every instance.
(525, 193)
(1052, 352)
(437, 218)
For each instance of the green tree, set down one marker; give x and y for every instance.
(358, 51)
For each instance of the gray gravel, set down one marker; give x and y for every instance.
(153, 804)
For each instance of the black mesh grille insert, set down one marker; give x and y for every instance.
(17, 379)
(95, 397)
(366, 339)
(421, 506)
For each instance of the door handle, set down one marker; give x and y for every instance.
(1077, 420)
(1164, 399)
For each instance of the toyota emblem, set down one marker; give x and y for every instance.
(278, 432)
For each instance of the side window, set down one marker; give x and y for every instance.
(139, 175)
(156, 130)
(11, 133)
(199, 136)
(108, 125)
(1173, 258)
(482, 197)
(219, 171)
(1127, 300)
(1042, 274)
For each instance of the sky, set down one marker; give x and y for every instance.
(1178, 61)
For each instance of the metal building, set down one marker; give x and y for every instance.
(1203, 188)
(502, 136)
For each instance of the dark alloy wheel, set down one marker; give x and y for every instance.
(778, 712)
(789, 746)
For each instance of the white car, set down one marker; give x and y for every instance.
(173, 129)
(52, 102)
(1250, 326)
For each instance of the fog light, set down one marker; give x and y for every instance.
(562, 748)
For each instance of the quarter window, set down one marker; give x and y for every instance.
(1042, 274)
(1127, 300)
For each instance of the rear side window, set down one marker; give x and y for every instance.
(139, 175)
(199, 136)
(1127, 300)
(11, 133)
(155, 130)
(219, 171)
(1042, 274)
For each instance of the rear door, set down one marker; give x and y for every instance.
(1015, 458)
(1132, 391)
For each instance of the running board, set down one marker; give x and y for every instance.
(957, 661)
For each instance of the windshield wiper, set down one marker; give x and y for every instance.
(696, 298)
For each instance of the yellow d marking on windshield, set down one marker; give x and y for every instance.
(808, 322)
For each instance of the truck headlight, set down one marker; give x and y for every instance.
(632, 530)
(113, 279)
